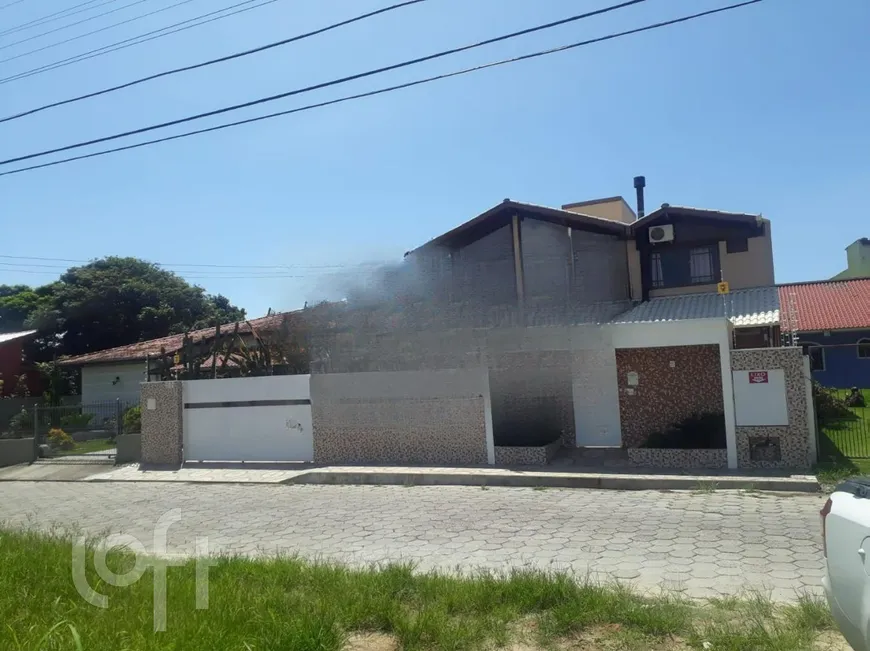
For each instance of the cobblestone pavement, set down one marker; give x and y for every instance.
(703, 543)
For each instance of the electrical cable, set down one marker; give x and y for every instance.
(86, 34)
(50, 18)
(334, 82)
(137, 40)
(235, 267)
(229, 57)
(2, 7)
(392, 88)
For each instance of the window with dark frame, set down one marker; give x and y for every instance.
(701, 265)
(816, 354)
(683, 266)
(864, 348)
(658, 279)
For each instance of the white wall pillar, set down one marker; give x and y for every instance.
(728, 398)
(487, 420)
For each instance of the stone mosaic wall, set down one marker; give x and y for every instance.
(692, 459)
(526, 456)
(428, 417)
(666, 394)
(162, 425)
(794, 446)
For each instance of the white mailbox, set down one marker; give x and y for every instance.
(759, 397)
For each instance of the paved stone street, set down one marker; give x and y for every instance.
(703, 543)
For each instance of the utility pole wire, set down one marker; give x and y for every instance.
(229, 57)
(392, 88)
(50, 18)
(91, 33)
(135, 40)
(326, 84)
(2, 7)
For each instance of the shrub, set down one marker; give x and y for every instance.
(57, 438)
(22, 422)
(698, 432)
(829, 405)
(76, 420)
(133, 420)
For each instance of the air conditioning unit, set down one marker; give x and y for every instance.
(664, 233)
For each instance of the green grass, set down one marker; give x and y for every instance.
(291, 605)
(94, 445)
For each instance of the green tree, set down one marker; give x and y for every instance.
(106, 303)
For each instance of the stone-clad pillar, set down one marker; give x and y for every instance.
(162, 428)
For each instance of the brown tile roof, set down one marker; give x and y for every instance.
(825, 305)
(172, 343)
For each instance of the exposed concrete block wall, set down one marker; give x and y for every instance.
(793, 439)
(483, 271)
(15, 451)
(666, 394)
(162, 411)
(425, 417)
(546, 256)
(600, 268)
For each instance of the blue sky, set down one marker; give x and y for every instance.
(763, 109)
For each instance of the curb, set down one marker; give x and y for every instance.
(606, 482)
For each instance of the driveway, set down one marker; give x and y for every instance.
(702, 543)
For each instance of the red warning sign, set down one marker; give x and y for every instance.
(757, 377)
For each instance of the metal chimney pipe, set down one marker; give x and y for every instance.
(639, 185)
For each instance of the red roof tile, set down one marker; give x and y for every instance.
(172, 343)
(825, 305)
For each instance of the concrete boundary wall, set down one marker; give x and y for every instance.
(15, 451)
(428, 417)
(778, 446)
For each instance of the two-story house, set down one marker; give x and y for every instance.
(535, 294)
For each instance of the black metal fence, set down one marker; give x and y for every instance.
(843, 422)
(85, 429)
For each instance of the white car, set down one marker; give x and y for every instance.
(846, 538)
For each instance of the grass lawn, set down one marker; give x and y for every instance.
(94, 445)
(845, 444)
(291, 605)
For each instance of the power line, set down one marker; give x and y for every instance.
(91, 33)
(392, 88)
(214, 61)
(2, 7)
(50, 18)
(141, 38)
(178, 264)
(327, 84)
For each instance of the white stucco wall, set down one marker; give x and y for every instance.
(103, 382)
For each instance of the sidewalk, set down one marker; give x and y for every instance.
(250, 473)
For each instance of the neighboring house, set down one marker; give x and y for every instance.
(857, 260)
(831, 320)
(116, 373)
(12, 363)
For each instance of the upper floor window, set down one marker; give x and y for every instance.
(864, 348)
(681, 266)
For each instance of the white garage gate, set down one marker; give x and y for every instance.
(248, 419)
